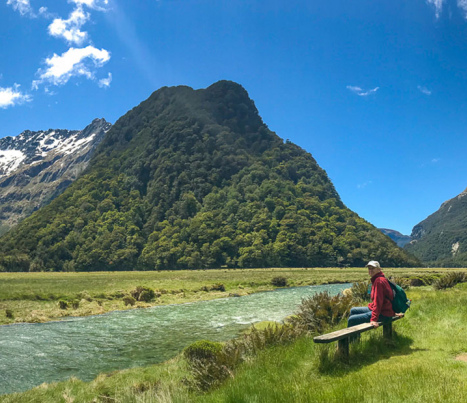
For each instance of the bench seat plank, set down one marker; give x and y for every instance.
(347, 332)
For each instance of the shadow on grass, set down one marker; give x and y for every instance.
(365, 352)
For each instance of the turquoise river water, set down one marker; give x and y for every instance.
(31, 354)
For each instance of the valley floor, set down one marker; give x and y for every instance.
(419, 366)
(35, 297)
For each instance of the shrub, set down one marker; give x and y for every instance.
(320, 311)
(129, 300)
(218, 287)
(147, 295)
(403, 282)
(360, 291)
(62, 304)
(141, 293)
(9, 314)
(449, 280)
(279, 282)
(84, 295)
(75, 304)
(202, 350)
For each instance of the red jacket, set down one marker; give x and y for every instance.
(381, 297)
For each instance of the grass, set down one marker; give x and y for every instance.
(418, 366)
(33, 297)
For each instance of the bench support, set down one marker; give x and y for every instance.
(343, 336)
(387, 330)
(343, 349)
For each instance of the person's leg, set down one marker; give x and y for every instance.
(359, 315)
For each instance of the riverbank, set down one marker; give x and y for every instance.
(35, 297)
(423, 364)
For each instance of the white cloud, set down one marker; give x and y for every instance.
(23, 6)
(438, 6)
(105, 82)
(94, 4)
(12, 96)
(360, 92)
(72, 63)
(424, 90)
(364, 185)
(435, 160)
(70, 29)
(462, 4)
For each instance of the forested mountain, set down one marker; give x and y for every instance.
(36, 166)
(400, 239)
(195, 179)
(441, 239)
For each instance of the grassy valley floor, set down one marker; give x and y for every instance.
(34, 297)
(419, 366)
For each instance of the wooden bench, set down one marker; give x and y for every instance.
(343, 336)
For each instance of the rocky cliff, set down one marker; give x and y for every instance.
(35, 167)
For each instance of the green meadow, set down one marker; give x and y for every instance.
(34, 297)
(424, 362)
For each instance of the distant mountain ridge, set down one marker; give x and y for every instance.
(441, 239)
(400, 239)
(37, 166)
(194, 179)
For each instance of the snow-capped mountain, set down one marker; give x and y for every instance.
(35, 167)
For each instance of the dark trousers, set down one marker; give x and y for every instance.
(362, 314)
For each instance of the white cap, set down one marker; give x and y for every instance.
(374, 264)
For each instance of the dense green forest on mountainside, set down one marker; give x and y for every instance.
(441, 239)
(195, 179)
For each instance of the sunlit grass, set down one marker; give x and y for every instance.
(419, 366)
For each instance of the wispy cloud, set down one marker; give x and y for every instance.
(70, 29)
(424, 90)
(22, 6)
(73, 63)
(435, 160)
(105, 82)
(100, 5)
(364, 184)
(462, 4)
(438, 6)
(360, 92)
(12, 96)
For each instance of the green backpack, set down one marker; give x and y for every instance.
(400, 303)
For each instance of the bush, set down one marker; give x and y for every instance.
(403, 282)
(9, 314)
(84, 295)
(321, 311)
(141, 293)
(75, 304)
(279, 282)
(62, 304)
(202, 350)
(128, 300)
(360, 291)
(449, 280)
(218, 287)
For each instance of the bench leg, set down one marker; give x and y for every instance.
(343, 349)
(387, 331)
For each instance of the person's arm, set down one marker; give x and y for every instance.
(377, 302)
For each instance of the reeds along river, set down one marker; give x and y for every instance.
(31, 354)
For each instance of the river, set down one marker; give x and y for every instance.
(31, 354)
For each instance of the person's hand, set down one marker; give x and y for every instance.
(401, 315)
(374, 324)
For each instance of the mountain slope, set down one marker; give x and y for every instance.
(441, 239)
(195, 179)
(400, 239)
(35, 167)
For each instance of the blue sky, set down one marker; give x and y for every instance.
(376, 91)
